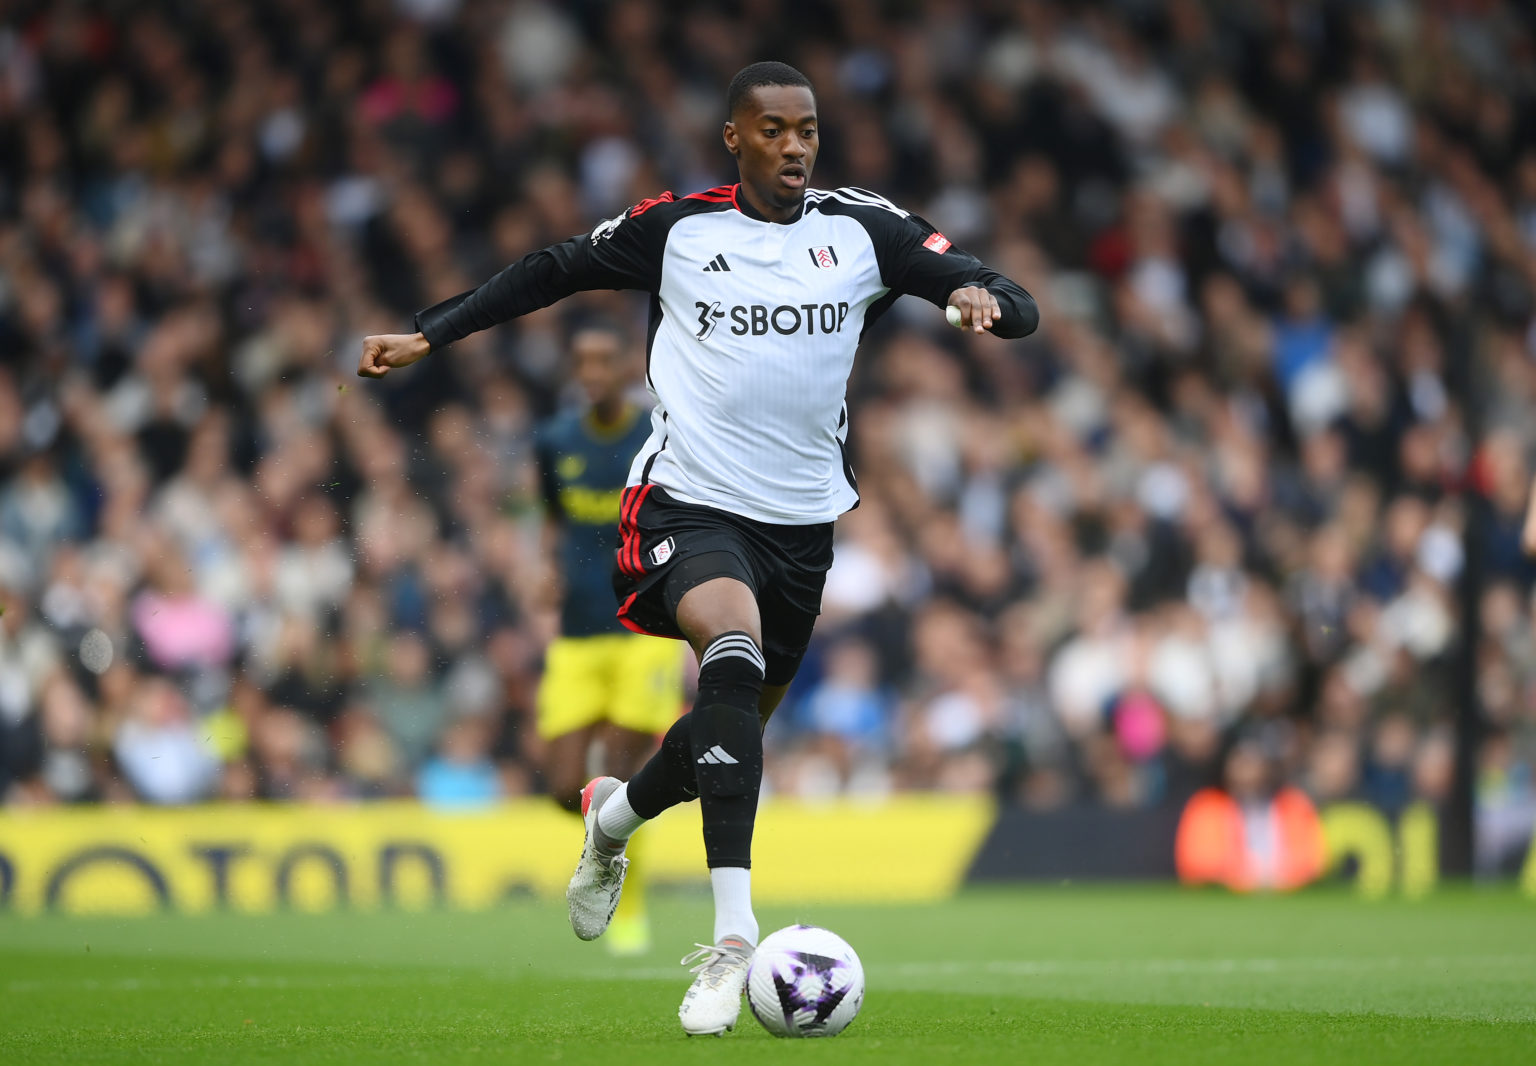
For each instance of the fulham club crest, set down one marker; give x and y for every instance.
(825, 257)
(662, 552)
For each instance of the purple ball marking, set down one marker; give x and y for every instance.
(792, 1000)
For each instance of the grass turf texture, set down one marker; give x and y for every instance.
(1081, 975)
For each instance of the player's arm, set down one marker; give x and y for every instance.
(917, 260)
(622, 253)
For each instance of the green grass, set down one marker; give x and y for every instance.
(1070, 975)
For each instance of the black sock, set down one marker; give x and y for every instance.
(667, 779)
(728, 747)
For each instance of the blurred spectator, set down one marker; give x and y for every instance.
(180, 629)
(409, 701)
(843, 724)
(158, 747)
(37, 514)
(461, 774)
(1253, 833)
(29, 659)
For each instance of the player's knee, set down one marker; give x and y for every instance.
(719, 604)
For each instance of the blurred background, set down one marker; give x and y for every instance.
(1244, 513)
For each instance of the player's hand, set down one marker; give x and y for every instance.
(385, 352)
(978, 308)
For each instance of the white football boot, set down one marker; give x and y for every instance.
(594, 891)
(713, 1001)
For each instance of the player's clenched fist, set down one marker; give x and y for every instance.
(383, 353)
(978, 308)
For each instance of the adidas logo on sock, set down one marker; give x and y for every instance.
(716, 755)
(718, 263)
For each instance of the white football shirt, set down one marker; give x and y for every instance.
(753, 329)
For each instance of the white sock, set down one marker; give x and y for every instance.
(616, 819)
(733, 903)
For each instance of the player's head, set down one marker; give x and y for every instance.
(600, 361)
(771, 129)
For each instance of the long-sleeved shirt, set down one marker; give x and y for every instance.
(753, 329)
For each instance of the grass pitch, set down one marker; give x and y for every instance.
(1030, 976)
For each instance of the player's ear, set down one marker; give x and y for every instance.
(732, 142)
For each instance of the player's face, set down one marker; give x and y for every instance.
(773, 136)
(599, 365)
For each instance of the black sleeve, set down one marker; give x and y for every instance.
(622, 253)
(917, 260)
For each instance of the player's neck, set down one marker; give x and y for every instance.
(754, 206)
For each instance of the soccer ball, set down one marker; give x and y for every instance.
(805, 981)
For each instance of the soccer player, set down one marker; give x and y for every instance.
(606, 694)
(760, 292)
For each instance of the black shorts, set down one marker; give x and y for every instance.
(667, 547)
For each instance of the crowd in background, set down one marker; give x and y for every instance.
(1207, 523)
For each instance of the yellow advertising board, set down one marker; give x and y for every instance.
(128, 860)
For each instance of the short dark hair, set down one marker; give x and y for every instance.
(757, 75)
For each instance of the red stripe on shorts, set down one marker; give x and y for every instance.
(634, 516)
(625, 526)
(624, 610)
(635, 627)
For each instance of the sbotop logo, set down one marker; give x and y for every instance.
(756, 320)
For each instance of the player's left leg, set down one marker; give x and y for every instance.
(720, 619)
(788, 605)
(726, 735)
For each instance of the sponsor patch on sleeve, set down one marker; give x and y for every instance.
(937, 242)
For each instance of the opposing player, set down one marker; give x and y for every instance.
(760, 292)
(606, 694)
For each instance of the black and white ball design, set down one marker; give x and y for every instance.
(805, 981)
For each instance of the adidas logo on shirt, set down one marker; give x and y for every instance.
(717, 755)
(718, 263)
